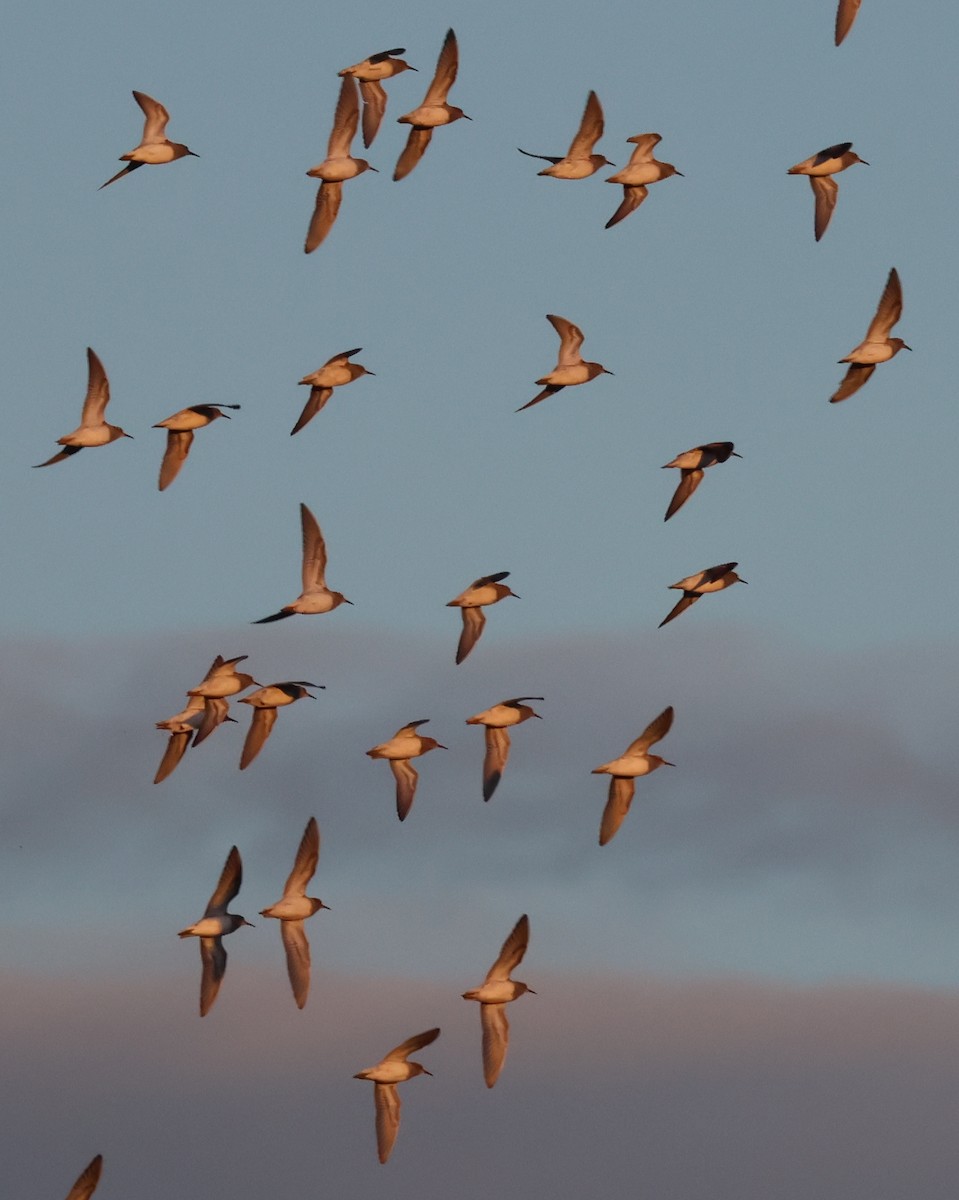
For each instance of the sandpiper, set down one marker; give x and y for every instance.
(642, 169)
(571, 367)
(496, 721)
(691, 465)
(154, 146)
(434, 111)
(370, 72)
(294, 908)
(215, 924)
(405, 744)
(93, 430)
(179, 436)
(264, 702)
(497, 991)
(579, 162)
(713, 579)
(635, 762)
(335, 372)
(820, 168)
(338, 165)
(485, 590)
(878, 346)
(394, 1069)
(220, 682)
(316, 597)
(181, 727)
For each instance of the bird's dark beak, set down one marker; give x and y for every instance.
(904, 346)
(377, 170)
(605, 372)
(735, 455)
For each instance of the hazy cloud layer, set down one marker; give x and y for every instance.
(613, 1086)
(821, 841)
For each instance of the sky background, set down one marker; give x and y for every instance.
(752, 990)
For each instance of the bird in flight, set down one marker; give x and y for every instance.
(316, 597)
(571, 367)
(434, 111)
(370, 73)
(335, 372)
(93, 429)
(405, 744)
(642, 169)
(624, 771)
(483, 591)
(497, 721)
(214, 925)
(264, 703)
(155, 147)
(713, 579)
(579, 162)
(393, 1069)
(691, 465)
(496, 992)
(820, 168)
(179, 437)
(294, 908)
(338, 165)
(877, 346)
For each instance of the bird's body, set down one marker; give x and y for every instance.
(691, 465)
(642, 169)
(214, 925)
(820, 168)
(370, 73)
(221, 681)
(180, 429)
(497, 720)
(294, 908)
(498, 990)
(265, 702)
(571, 368)
(338, 166)
(434, 111)
(155, 147)
(481, 592)
(316, 597)
(393, 1069)
(579, 161)
(335, 372)
(878, 346)
(636, 762)
(405, 744)
(93, 430)
(181, 727)
(713, 579)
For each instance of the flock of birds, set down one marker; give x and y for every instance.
(207, 706)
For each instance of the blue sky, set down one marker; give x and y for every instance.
(803, 850)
